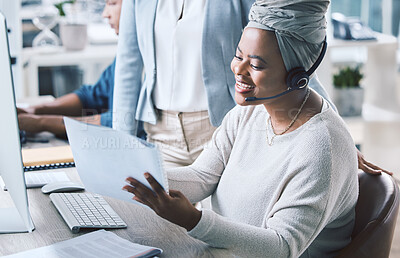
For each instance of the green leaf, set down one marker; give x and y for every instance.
(60, 8)
(347, 77)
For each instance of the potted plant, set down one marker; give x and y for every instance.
(60, 6)
(73, 31)
(348, 94)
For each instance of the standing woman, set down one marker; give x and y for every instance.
(281, 171)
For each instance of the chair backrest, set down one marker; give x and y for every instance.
(376, 213)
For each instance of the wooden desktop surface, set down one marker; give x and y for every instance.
(144, 227)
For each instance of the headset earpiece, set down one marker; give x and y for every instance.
(297, 78)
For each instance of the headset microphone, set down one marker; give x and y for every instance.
(272, 97)
(297, 78)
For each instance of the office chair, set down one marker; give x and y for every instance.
(376, 212)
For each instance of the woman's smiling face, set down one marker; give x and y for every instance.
(258, 66)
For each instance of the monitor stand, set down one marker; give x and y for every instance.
(11, 222)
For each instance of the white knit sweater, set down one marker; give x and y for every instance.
(293, 198)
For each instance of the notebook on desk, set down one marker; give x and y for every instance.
(46, 156)
(45, 159)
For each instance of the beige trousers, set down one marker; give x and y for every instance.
(180, 136)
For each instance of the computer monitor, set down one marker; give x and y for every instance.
(17, 218)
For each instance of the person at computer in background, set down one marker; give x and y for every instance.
(183, 48)
(97, 98)
(282, 172)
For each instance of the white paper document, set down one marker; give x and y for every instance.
(97, 244)
(104, 158)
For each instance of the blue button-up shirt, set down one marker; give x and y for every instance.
(98, 98)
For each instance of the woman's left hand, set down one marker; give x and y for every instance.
(174, 207)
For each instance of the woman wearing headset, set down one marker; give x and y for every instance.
(281, 171)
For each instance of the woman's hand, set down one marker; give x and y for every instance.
(174, 207)
(368, 167)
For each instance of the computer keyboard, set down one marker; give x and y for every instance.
(85, 210)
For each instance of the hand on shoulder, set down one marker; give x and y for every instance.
(369, 167)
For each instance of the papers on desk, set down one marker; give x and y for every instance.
(104, 158)
(100, 243)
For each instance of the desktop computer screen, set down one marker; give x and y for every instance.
(17, 218)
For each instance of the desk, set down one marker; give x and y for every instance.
(91, 56)
(144, 227)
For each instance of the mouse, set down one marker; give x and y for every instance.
(62, 186)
